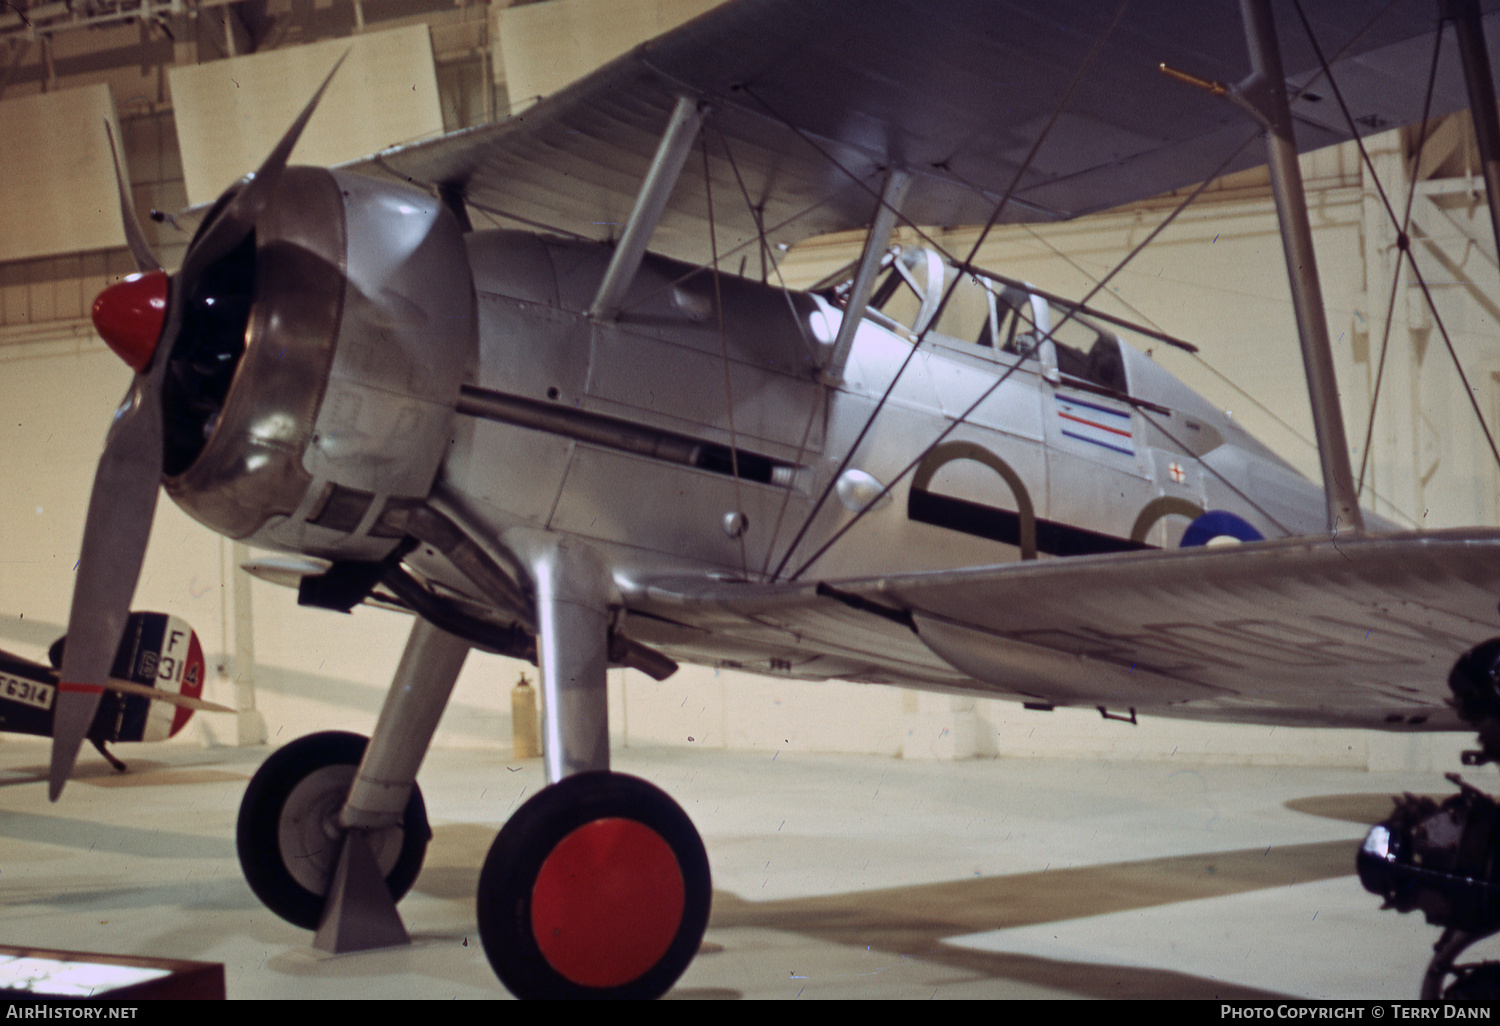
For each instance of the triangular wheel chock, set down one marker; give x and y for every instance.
(360, 914)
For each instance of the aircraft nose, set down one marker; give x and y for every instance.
(129, 316)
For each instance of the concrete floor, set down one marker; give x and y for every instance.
(834, 876)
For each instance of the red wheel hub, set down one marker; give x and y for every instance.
(129, 316)
(607, 903)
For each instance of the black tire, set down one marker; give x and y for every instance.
(1474, 983)
(259, 832)
(605, 919)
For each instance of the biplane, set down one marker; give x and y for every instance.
(606, 435)
(155, 685)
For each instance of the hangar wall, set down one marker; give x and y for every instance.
(230, 114)
(1216, 277)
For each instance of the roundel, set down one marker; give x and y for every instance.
(1219, 523)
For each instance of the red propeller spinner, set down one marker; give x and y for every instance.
(129, 316)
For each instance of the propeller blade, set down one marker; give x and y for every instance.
(238, 218)
(135, 236)
(125, 687)
(120, 511)
(123, 501)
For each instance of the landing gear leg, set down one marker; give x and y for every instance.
(119, 767)
(332, 829)
(572, 644)
(360, 914)
(599, 885)
(1478, 982)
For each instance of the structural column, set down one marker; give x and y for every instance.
(237, 623)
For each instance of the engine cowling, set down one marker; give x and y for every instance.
(313, 382)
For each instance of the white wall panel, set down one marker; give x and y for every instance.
(57, 193)
(546, 46)
(230, 113)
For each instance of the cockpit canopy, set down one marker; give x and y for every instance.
(987, 312)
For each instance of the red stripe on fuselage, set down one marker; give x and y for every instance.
(1092, 424)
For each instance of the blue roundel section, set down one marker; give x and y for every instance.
(1217, 524)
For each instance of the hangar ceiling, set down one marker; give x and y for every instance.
(48, 40)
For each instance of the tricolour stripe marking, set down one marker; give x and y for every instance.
(1093, 424)
(1097, 425)
(1102, 445)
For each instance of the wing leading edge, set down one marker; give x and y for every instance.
(1313, 632)
(812, 102)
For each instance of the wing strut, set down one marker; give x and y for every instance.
(1481, 87)
(897, 182)
(656, 189)
(1263, 94)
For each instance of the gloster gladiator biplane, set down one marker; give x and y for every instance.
(607, 436)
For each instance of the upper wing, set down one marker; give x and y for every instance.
(812, 101)
(1358, 631)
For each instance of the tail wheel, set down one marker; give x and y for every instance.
(288, 835)
(1477, 981)
(596, 887)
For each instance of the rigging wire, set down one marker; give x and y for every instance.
(699, 268)
(761, 238)
(1001, 380)
(757, 212)
(942, 304)
(817, 404)
(1401, 255)
(494, 214)
(734, 445)
(1216, 474)
(1403, 241)
(1197, 355)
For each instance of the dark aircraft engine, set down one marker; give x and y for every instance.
(1444, 857)
(1440, 858)
(312, 382)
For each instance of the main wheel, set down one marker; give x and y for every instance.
(288, 835)
(596, 887)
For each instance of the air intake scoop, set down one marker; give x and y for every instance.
(129, 316)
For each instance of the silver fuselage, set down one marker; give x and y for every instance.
(1092, 471)
(398, 368)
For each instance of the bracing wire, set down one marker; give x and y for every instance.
(1402, 240)
(942, 304)
(812, 413)
(1401, 254)
(963, 417)
(1198, 356)
(734, 445)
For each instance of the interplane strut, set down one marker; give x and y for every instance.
(1265, 90)
(656, 189)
